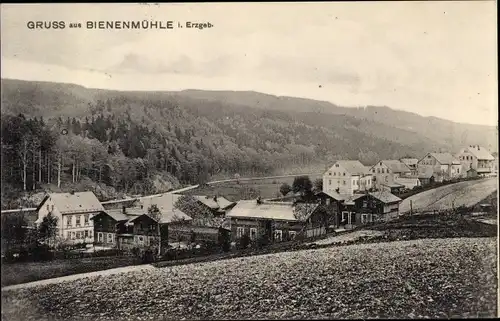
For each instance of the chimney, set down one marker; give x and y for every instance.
(259, 201)
(215, 198)
(478, 147)
(72, 192)
(124, 209)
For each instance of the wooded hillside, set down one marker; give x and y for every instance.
(144, 142)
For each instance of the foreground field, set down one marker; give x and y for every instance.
(422, 278)
(467, 193)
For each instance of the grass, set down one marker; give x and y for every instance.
(233, 191)
(408, 279)
(467, 193)
(16, 273)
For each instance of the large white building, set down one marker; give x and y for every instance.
(73, 212)
(477, 158)
(347, 177)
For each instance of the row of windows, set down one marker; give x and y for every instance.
(335, 174)
(380, 170)
(356, 183)
(78, 220)
(77, 235)
(466, 158)
(277, 234)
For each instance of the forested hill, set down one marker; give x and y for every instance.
(131, 141)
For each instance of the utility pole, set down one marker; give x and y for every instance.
(411, 208)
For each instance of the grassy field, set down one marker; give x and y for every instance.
(467, 193)
(408, 279)
(17, 273)
(233, 191)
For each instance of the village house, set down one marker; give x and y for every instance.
(477, 158)
(412, 164)
(445, 166)
(393, 176)
(426, 174)
(347, 177)
(74, 212)
(134, 227)
(353, 210)
(278, 221)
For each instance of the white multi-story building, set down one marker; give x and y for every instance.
(73, 212)
(347, 177)
(477, 158)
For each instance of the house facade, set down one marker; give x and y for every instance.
(477, 158)
(358, 209)
(278, 221)
(444, 166)
(393, 174)
(74, 212)
(347, 177)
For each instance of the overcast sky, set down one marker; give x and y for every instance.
(431, 58)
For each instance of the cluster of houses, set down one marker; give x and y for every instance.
(353, 194)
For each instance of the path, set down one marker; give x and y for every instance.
(467, 193)
(79, 276)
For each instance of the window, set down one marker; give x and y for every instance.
(48, 207)
(78, 220)
(239, 231)
(365, 203)
(253, 233)
(344, 216)
(68, 220)
(73, 235)
(86, 219)
(278, 235)
(329, 182)
(344, 182)
(327, 201)
(343, 174)
(378, 170)
(373, 171)
(364, 218)
(382, 170)
(52, 208)
(330, 173)
(336, 165)
(292, 234)
(110, 237)
(100, 237)
(458, 170)
(141, 239)
(86, 233)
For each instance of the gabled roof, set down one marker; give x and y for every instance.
(444, 158)
(214, 203)
(349, 200)
(174, 215)
(353, 167)
(130, 212)
(480, 153)
(333, 194)
(272, 211)
(78, 202)
(385, 197)
(396, 166)
(409, 161)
